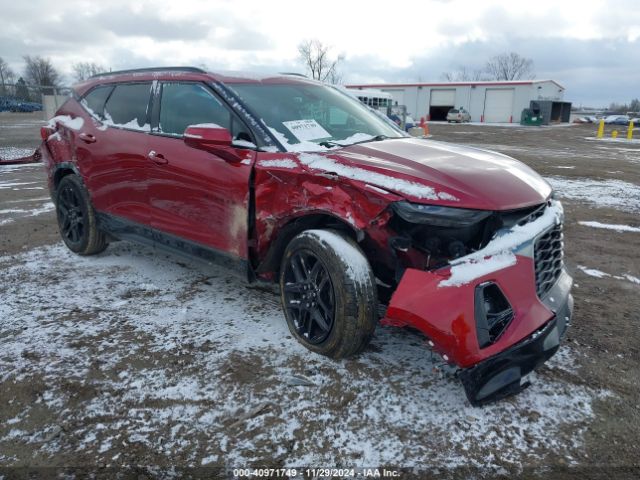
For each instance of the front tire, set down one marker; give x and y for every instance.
(328, 293)
(77, 219)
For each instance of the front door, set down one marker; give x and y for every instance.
(193, 194)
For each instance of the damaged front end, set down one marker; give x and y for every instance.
(488, 289)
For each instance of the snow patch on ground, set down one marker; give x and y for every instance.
(4, 169)
(616, 194)
(14, 153)
(609, 226)
(7, 185)
(592, 272)
(192, 362)
(12, 214)
(620, 139)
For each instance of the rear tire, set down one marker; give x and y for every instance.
(77, 219)
(328, 293)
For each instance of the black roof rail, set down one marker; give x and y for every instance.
(295, 74)
(151, 69)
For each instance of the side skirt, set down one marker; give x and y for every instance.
(123, 229)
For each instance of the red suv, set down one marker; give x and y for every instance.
(288, 180)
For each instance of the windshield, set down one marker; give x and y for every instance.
(306, 117)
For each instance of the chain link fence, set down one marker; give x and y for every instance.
(24, 97)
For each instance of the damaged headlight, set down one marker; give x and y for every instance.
(438, 216)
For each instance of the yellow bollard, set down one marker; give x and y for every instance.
(614, 134)
(630, 131)
(600, 129)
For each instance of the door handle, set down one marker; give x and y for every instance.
(157, 158)
(87, 138)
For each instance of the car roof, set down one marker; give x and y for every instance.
(189, 73)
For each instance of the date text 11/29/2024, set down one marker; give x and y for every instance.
(315, 473)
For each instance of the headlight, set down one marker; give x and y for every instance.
(438, 216)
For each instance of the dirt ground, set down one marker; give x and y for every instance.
(134, 363)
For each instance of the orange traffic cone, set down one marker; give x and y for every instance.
(425, 127)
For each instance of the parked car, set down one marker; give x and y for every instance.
(458, 115)
(617, 120)
(587, 119)
(409, 123)
(14, 105)
(288, 180)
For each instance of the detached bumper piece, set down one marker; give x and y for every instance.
(501, 375)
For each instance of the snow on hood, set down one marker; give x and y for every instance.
(412, 189)
(479, 179)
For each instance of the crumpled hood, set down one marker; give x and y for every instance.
(477, 178)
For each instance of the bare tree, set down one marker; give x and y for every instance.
(84, 70)
(510, 66)
(619, 108)
(40, 71)
(7, 77)
(22, 91)
(319, 62)
(462, 74)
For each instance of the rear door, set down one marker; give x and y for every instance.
(193, 194)
(116, 172)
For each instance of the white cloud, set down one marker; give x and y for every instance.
(416, 39)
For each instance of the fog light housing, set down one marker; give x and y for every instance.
(493, 313)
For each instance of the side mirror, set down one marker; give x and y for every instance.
(211, 138)
(207, 135)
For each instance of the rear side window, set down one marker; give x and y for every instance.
(127, 106)
(94, 100)
(185, 104)
(453, 110)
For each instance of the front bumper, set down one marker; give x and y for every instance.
(491, 367)
(502, 375)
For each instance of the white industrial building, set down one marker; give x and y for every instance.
(492, 102)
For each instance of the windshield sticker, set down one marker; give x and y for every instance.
(306, 129)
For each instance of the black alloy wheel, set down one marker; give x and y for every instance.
(71, 218)
(77, 219)
(309, 297)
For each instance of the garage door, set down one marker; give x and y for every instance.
(498, 105)
(443, 98)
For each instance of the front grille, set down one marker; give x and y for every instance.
(534, 215)
(548, 259)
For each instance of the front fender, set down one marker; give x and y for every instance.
(285, 191)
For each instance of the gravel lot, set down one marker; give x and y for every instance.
(138, 360)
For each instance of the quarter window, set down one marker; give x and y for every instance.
(127, 106)
(94, 100)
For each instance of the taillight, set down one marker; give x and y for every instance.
(46, 132)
